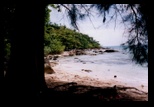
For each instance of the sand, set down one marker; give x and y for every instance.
(81, 78)
(72, 73)
(130, 80)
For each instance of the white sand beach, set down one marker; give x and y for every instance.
(99, 74)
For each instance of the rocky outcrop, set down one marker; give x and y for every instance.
(77, 52)
(49, 62)
(52, 57)
(48, 69)
(80, 52)
(74, 52)
(110, 50)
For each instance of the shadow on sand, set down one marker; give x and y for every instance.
(73, 92)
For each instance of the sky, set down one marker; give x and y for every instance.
(105, 34)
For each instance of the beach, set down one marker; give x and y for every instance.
(95, 71)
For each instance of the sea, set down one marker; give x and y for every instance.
(107, 65)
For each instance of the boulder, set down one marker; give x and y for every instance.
(46, 60)
(110, 50)
(52, 64)
(48, 69)
(55, 57)
(80, 52)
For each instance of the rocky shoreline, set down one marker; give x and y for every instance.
(62, 81)
(80, 52)
(51, 60)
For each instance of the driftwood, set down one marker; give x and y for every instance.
(126, 88)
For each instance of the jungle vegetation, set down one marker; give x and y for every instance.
(60, 38)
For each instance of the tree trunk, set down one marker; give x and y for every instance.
(25, 77)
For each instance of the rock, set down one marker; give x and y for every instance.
(82, 69)
(49, 57)
(48, 69)
(93, 54)
(71, 53)
(142, 86)
(80, 52)
(77, 76)
(65, 54)
(46, 60)
(101, 52)
(55, 57)
(95, 51)
(87, 70)
(52, 64)
(110, 50)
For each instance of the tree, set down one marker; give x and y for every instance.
(135, 18)
(24, 81)
(59, 38)
(25, 75)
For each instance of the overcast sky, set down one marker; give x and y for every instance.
(105, 34)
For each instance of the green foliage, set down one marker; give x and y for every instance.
(47, 15)
(47, 50)
(55, 47)
(59, 38)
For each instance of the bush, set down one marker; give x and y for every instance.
(47, 50)
(55, 47)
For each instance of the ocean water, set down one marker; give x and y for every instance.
(105, 66)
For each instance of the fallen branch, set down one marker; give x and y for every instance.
(125, 88)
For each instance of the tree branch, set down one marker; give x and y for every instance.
(116, 9)
(71, 12)
(88, 16)
(135, 22)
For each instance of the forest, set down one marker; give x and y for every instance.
(60, 38)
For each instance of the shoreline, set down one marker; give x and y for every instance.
(60, 80)
(84, 78)
(74, 69)
(78, 65)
